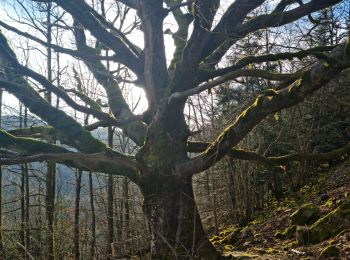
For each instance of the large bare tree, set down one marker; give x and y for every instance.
(162, 167)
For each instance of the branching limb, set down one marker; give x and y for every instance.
(123, 54)
(204, 12)
(183, 21)
(206, 75)
(234, 15)
(27, 145)
(152, 15)
(73, 53)
(52, 88)
(226, 34)
(131, 3)
(174, 7)
(134, 129)
(109, 162)
(97, 162)
(230, 76)
(314, 78)
(65, 125)
(275, 160)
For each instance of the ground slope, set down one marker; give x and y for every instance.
(272, 236)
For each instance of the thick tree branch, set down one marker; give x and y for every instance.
(245, 61)
(239, 30)
(134, 129)
(73, 53)
(230, 76)
(27, 145)
(241, 154)
(156, 73)
(52, 88)
(96, 162)
(123, 54)
(183, 21)
(65, 125)
(234, 16)
(134, 4)
(314, 78)
(186, 69)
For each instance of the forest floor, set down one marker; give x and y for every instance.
(260, 239)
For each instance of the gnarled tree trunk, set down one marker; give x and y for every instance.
(176, 229)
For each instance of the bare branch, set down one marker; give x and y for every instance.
(230, 76)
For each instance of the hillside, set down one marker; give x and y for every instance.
(271, 234)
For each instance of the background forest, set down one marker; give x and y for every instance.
(54, 211)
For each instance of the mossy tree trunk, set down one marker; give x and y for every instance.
(176, 229)
(175, 225)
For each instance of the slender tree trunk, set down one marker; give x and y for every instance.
(25, 213)
(22, 232)
(2, 249)
(37, 234)
(110, 199)
(24, 174)
(126, 224)
(26, 197)
(93, 218)
(50, 206)
(51, 167)
(76, 216)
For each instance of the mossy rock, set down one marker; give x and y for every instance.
(287, 233)
(329, 251)
(306, 215)
(329, 226)
(302, 235)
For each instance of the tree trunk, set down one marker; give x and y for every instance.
(51, 167)
(76, 216)
(174, 222)
(2, 250)
(93, 218)
(110, 200)
(22, 232)
(176, 229)
(27, 208)
(50, 207)
(126, 224)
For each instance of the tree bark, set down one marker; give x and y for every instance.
(174, 222)
(50, 207)
(176, 229)
(76, 216)
(110, 200)
(27, 208)
(2, 250)
(93, 218)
